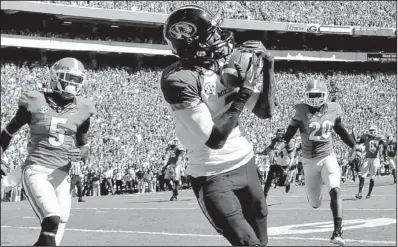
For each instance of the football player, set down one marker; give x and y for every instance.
(315, 118)
(173, 167)
(59, 121)
(390, 155)
(221, 160)
(371, 160)
(284, 159)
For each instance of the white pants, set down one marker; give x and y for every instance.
(317, 172)
(48, 191)
(370, 166)
(392, 161)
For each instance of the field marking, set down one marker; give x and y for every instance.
(328, 240)
(270, 209)
(199, 235)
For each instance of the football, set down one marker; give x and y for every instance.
(229, 74)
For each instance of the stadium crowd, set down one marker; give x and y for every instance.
(366, 13)
(132, 126)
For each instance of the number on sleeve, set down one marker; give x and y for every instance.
(325, 131)
(57, 135)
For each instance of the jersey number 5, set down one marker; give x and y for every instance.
(325, 133)
(57, 135)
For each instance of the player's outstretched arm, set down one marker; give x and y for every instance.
(291, 130)
(264, 107)
(343, 133)
(21, 118)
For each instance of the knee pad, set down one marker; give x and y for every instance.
(50, 224)
(315, 204)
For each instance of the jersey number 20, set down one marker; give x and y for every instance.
(57, 135)
(325, 133)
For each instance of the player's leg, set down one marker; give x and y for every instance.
(79, 189)
(61, 183)
(364, 173)
(41, 195)
(374, 165)
(392, 162)
(270, 177)
(254, 204)
(222, 208)
(331, 177)
(313, 182)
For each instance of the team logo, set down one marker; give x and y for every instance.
(209, 88)
(43, 109)
(182, 30)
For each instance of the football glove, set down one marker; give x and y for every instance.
(257, 47)
(247, 77)
(75, 155)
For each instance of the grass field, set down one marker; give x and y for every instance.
(151, 219)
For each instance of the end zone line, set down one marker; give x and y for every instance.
(198, 235)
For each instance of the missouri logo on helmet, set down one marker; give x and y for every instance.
(183, 30)
(194, 33)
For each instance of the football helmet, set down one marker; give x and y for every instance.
(194, 33)
(316, 93)
(67, 77)
(372, 130)
(279, 133)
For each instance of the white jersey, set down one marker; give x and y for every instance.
(201, 93)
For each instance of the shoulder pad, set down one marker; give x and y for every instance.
(181, 88)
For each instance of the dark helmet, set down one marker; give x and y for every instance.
(279, 133)
(194, 33)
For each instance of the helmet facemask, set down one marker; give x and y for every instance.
(68, 83)
(315, 99)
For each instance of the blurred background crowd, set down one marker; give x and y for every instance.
(129, 134)
(352, 13)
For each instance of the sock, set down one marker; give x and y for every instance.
(394, 174)
(60, 233)
(361, 183)
(338, 221)
(371, 184)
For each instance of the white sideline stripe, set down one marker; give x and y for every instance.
(328, 240)
(135, 208)
(198, 235)
(271, 209)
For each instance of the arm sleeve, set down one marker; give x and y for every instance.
(21, 118)
(342, 132)
(294, 125)
(265, 104)
(362, 139)
(81, 133)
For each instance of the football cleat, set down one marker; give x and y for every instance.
(367, 196)
(337, 239)
(316, 93)
(173, 198)
(358, 196)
